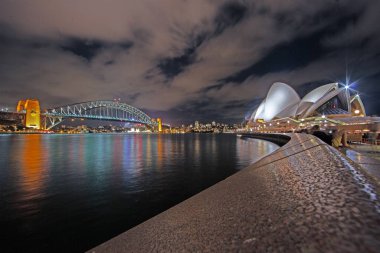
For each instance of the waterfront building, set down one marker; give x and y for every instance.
(331, 106)
(330, 100)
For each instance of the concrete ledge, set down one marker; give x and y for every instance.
(370, 165)
(279, 139)
(304, 197)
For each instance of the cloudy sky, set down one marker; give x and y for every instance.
(185, 60)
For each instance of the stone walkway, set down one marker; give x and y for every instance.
(370, 164)
(305, 197)
(372, 151)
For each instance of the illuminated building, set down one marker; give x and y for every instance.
(159, 122)
(196, 124)
(21, 105)
(282, 101)
(32, 110)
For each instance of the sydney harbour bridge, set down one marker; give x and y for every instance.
(97, 110)
(103, 110)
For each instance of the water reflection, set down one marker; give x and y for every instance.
(253, 148)
(66, 193)
(160, 148)
(32, 170)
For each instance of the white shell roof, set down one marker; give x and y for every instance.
(315, 95)
(283, 101)
(280, 96)
(259, 113)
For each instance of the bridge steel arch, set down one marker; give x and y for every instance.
(97, 110)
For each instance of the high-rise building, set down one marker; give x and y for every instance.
(196, 124)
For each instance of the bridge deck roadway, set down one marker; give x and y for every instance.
(304, 197)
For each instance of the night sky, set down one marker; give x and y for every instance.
(186, 60)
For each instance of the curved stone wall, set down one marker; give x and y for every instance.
(279, 139)
(304, 197)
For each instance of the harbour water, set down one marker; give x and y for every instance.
(69, 193)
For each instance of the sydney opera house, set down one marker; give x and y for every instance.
(332, 101)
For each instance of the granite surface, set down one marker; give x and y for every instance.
(304, 197)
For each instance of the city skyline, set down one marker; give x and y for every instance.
(185, 61)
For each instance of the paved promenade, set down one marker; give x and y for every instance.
(368, 161)
(304, 197)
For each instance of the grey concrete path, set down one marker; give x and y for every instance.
(368, 163)
(372, 151)
(305, 197)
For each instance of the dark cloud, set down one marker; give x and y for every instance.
(109, 62)
(172, 66)
(286, 56)
(300, 51)
(84, 48)
(90, 48)
(185, 60)
(229, 14)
